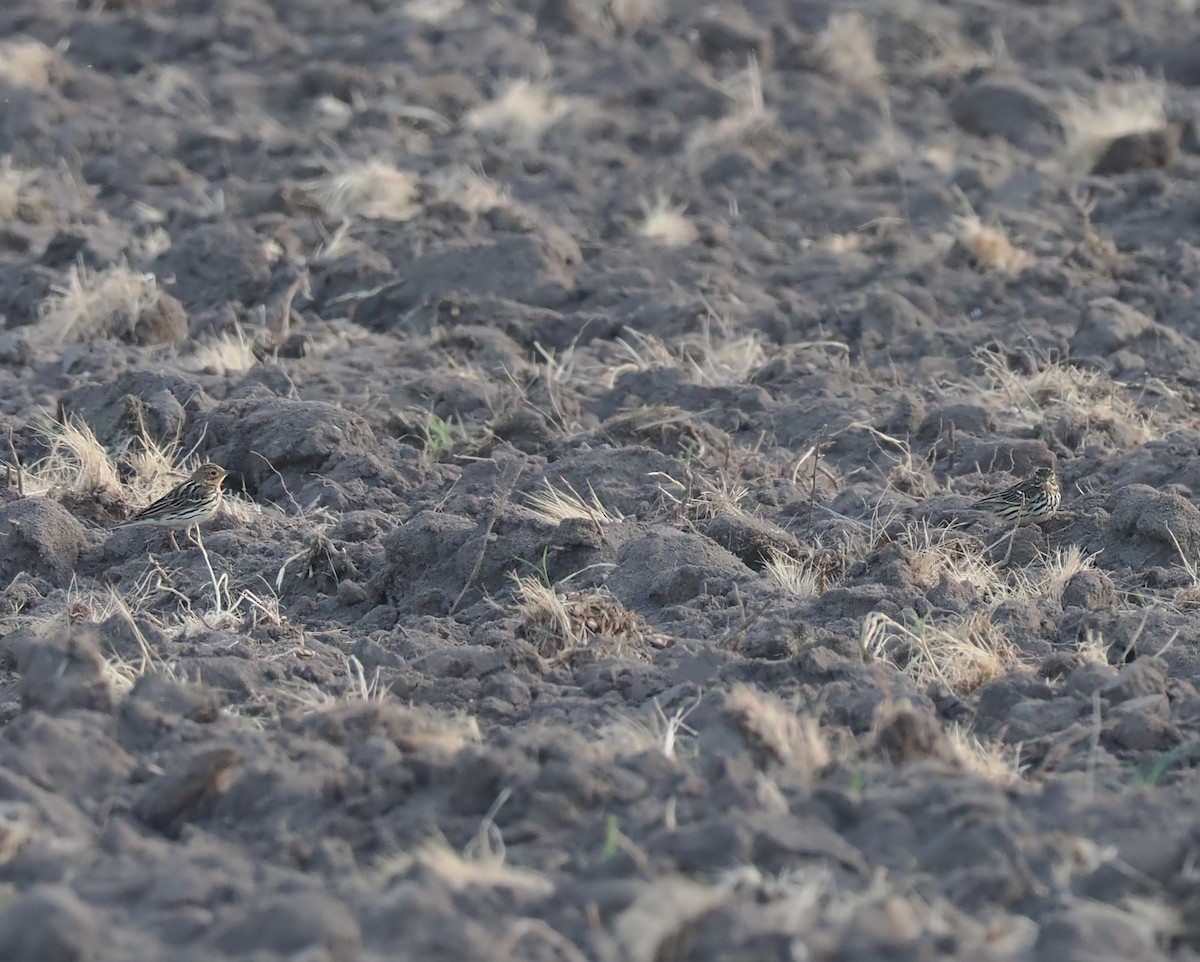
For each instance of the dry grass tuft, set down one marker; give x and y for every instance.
(630, 15)
(749, 123)
(365, 701)
(374, 189)
(1158, 922)
(241, 510)
(11, 182)
(19, 823)
(625, 735)
(481, 863)
(991, 761)
(776, 731)
(76, 466)
(418, 728)
(521, 112)
(432, 11)
(94, 304)
(988, 246)
(155, 471)
(721, 497)
(801, 579)
(960, 653)
(563, 623)
(711, 359)
(1092, 648)
(123, 672)
(330, 113)
(937, 553)
(484, 869)
(1186, 596)
(16, 189)
(625, 16)
(1047, 577)
(665, 223)
(846, 49)
(336, 244)
(554, 506)
(228, 353)
(170, 88)
(662, 914)
(700, 498)
(841, 243)
(814, 906)
(27, 63)
(1090, 124)
(222, 605)
(1054, 389)
(469, 190)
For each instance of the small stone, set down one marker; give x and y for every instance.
(1057, 664)
(731, 34)
(60, 669)
(963, 419)
(903, 734)
(1140, 724)
(171, 795)
(1089, 678)
(194, 701)
(1145, 676)
(351, 593)
(567, 16)
(1108, 324)
(1091, 930)
(1147, 150)
(163, 322)
(39, 536)
(751, 539)
(1006, 107)
(50, 924)
(291, 925)
(1089, 589)
(782, 840)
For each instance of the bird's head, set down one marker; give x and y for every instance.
(209, 474)
(1046, 478)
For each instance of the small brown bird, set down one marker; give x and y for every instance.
(187, 505)
(1035, 499)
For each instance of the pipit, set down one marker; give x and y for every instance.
(1035, 499)
(187, 505)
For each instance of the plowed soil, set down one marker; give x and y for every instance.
(604, 389)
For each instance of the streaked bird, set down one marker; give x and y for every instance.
(187, 505)
(1035, 499)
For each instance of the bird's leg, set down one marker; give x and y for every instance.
(171, 535)
(1007, 536)
(1012, 537)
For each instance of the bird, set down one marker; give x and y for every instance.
(188, 505)
(1035, 499)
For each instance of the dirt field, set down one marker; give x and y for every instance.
(604, 386)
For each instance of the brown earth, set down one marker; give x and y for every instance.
(603, 387)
